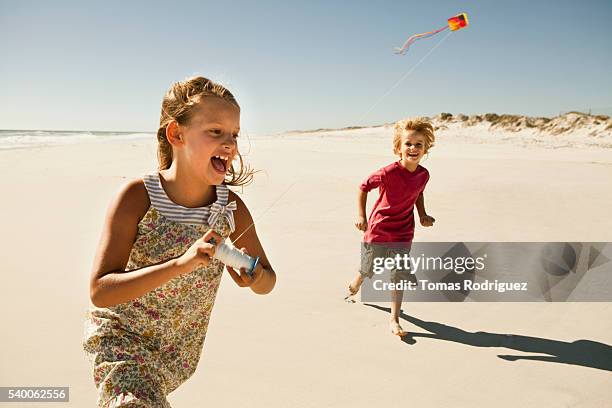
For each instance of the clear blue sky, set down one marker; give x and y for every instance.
(298, 65)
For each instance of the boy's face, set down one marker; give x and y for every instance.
(412, 147)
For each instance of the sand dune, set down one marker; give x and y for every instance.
(572, 129)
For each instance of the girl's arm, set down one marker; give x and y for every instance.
(110, 283)
(265, 277)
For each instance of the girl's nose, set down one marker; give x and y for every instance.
(230, 144)
(229, 140)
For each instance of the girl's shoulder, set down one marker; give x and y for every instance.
(241, 208)
(131, 202)
(242, 215)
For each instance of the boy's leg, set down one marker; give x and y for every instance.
(356, 283)
(353, 288)
(397, 276)
(365, 270)
(396, 308)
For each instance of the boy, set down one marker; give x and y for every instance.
(390, 228)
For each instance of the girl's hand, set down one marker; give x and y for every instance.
(199, 253)
(361, 223)
(244, 280)
(427, 220)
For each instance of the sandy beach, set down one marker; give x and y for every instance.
(302, 346)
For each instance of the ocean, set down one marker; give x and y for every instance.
(22, 139)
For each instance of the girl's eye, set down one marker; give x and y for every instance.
(236, 135)
(216, 131)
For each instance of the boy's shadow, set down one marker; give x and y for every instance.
(586, 353)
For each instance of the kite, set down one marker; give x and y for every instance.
(454, 23)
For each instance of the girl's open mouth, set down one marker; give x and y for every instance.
(219, 163)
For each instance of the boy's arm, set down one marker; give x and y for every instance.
(420, 205)
(375, 180)
(362, 199)
(426, 220)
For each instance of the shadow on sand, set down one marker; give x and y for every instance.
(586, 353)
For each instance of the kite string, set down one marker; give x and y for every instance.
(363, 117)
(260, 216)
(404, 77)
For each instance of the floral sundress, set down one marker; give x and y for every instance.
(143, 349)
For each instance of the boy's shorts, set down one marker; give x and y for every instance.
(372, 250)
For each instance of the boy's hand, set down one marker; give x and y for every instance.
(427, 220)
(361, 223)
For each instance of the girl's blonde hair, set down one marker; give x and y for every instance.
(421, 125)
(179, 104)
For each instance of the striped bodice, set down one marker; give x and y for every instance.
(185, 215)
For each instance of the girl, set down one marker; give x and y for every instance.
(390, 229)
(154, 279)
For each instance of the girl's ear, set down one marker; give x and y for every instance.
(173, 134)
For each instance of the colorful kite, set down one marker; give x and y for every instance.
(454, 23)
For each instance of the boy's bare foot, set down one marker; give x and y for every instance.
(350, 296)
(397, 330)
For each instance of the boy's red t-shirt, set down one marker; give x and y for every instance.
(392, 218)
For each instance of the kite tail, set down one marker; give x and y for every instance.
(415, 37)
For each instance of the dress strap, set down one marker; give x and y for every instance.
(221, 207)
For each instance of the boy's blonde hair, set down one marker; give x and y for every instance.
(179, 104)
(420, 125)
